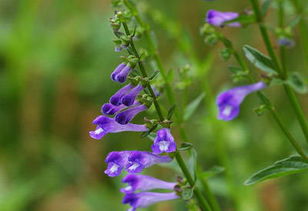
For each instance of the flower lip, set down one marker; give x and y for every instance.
(163, 142)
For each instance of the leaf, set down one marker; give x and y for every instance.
(185, 146)
(265, 6)
(171, 112)
(291, 165)
(154, 75)
(191, 108)
(297, 82)
(260, 60)
(212, 172)
(192, 163)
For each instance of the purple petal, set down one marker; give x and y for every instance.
(126, 116)
(129, 98)
(117, 70)
(117, 97)
(217, 18)
(163, 142)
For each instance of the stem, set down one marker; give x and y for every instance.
(268, 103)
(292, 97)
(202, 202)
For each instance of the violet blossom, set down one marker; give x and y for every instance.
(121, 72)
(116, 99)
(139, 160)
(229, 102)
(126, 116)
(217, 18)
(116, 162)
(129, 98)
(109, 109)
(144, 183)
(107, 125)
(163, 142)
(145, 199)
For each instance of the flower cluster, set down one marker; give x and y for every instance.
(116, 117)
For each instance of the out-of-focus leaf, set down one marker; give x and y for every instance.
(185, 146)
(242, 19)
(171, 112)
(212, 172)
(191, 108)
(192, 163)
(297, 82)
(265, 6)
(291, 165)
(260, 60)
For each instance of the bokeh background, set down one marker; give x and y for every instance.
(55, 61)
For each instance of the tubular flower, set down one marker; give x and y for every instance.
(109, 109)
(116, 162)
(107, 125)
(229, 102)
(217, 18)
(121, 72)
(163, 142)
(144, 183)
(117, 97)
(145, 199)
(126, 116)
(139, 160)
(129, 98)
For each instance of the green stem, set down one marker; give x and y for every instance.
(291, 96)
(202, 202)
(269, 105)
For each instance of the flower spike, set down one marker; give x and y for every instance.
(229, 101)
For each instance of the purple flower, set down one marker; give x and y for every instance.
(126, 116)
(164, 142)
(117, 97)
(110, 109)
(144, 183)
(145, 199)
(121, 72)
(229, 102)
(116, 162)
(217, 18)
(138, 160)
(129, 98)
(286, 42)
(107, 125)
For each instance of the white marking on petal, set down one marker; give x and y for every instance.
(133, 167)
(163, 145)
(128, 188)
(114, 168)
(227, 110)
(98, 131)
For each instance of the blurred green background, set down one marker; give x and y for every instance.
(55, 61)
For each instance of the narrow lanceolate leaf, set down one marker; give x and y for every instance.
(260, 60)
(192, 107)
(297, 82)
(291, 165)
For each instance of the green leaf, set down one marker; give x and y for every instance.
(171, 112)
(297, 82)
(265, 6)
(260, 60)
(212, 172)
(291, 165)
(192, 163)
(242, 19)
(185, 146)
(191, 108)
